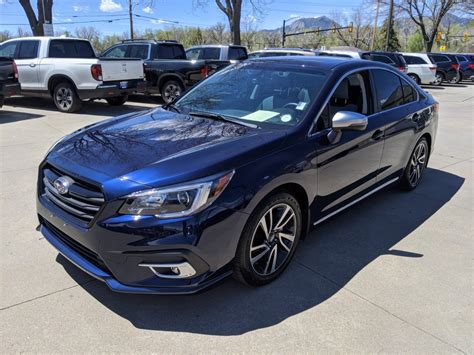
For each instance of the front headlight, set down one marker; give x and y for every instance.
(178, 201)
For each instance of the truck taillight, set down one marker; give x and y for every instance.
(402, 69)
(96, 71)
(471, 66)
(455, 66)
(204, 71)
(15, 70)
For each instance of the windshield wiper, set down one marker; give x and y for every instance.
(171, 106)
(218, 117)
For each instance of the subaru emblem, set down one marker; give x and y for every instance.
(62, 184)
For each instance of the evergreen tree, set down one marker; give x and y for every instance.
(393, 43)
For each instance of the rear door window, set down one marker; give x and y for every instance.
(210, 53)
(409, 94)
(170, 51)
(59, 48)
(388, 89)
(28, 50)
(440, 58)
(116, 52)
(138, 51)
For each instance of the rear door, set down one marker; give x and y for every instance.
(27, 61)
(396, 106)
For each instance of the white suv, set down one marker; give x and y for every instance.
(420, 68)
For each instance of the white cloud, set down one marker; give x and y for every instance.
(80, 8)
(147, 10)
(109, 6)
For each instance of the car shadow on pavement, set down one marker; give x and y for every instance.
(8, 116)
(325, 262)
(95, 108)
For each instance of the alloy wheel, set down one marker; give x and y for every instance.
(171, 92)
(439, 79)
(64, 98)
(417, 163)
(273, 239)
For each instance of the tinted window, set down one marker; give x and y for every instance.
(138, 51)
(8, 49)
(461, 58)
(388, 89)
(116, 52)
(28, 50)
(382, 58)
(409, 93)
(237, 53)
(414, 60)
(59, 48)
(440, 58)
(210, 53)
(167, 51)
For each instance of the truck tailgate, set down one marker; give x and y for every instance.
(114, 69)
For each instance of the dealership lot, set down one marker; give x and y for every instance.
(394, 273)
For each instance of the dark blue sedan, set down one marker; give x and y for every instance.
(231, 176)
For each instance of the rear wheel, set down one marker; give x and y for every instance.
(65, 97)
(117, 101)
(416, 166)
(415, 78)
(171, 90)
(439, 79)
(269, 240)
(456, 79)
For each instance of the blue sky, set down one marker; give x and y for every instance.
(68, 13)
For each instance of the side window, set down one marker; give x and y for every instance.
(192, 54)
(70, 49)
(352, 94)
(409, 94)
(210, 53)
(8, 49)
(388, 89)
(440, 58)
(138, 51)
(382, 58)
(116, 52)
(28, 50)
(237, 53)
(461, 58)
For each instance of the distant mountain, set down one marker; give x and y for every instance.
(306, 23)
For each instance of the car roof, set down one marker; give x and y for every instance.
(45, 38)
(217, 46)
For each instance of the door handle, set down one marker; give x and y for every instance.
(32, 65)
(377, 134)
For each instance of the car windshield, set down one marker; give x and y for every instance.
(257, 92)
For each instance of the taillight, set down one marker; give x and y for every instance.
(455, 66)
(402, 69)
(96, 71)
(433, 69)
(204, 71)
(471, 66)
(15, 70)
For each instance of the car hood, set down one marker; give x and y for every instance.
(160, 147)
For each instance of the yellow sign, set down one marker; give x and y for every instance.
(442, 48)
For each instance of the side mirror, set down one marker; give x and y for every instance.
(346, 120)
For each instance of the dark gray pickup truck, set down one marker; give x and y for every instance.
(168, 72)
(9, 85)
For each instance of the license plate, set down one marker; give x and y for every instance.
(123, 84)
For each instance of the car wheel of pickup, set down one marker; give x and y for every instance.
(65, 97)
(117, 101)
(416, 165)
(171, 90)
(269, 240)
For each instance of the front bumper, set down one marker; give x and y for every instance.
(114, 89)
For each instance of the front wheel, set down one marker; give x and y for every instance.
(171, 90)
(65, 98)
(416, 166)
(117, 101)
(269, 240)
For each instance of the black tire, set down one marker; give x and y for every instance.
(456, 79)
(117, 100)
(65, 97)
(439, 79)
(252, 270)
(416, 165)
(170, 90)
(415, 78)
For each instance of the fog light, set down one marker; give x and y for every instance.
(172, 270)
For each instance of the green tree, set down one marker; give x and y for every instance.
(415, 42)
(393, 43)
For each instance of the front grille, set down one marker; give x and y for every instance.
(77, 247)
(83, 200)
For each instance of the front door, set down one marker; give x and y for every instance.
(350, 165)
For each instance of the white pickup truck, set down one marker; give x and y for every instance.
(68, 70)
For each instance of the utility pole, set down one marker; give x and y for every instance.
(374, 34)
(283, 35)
(390, 24)
(130, 14)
